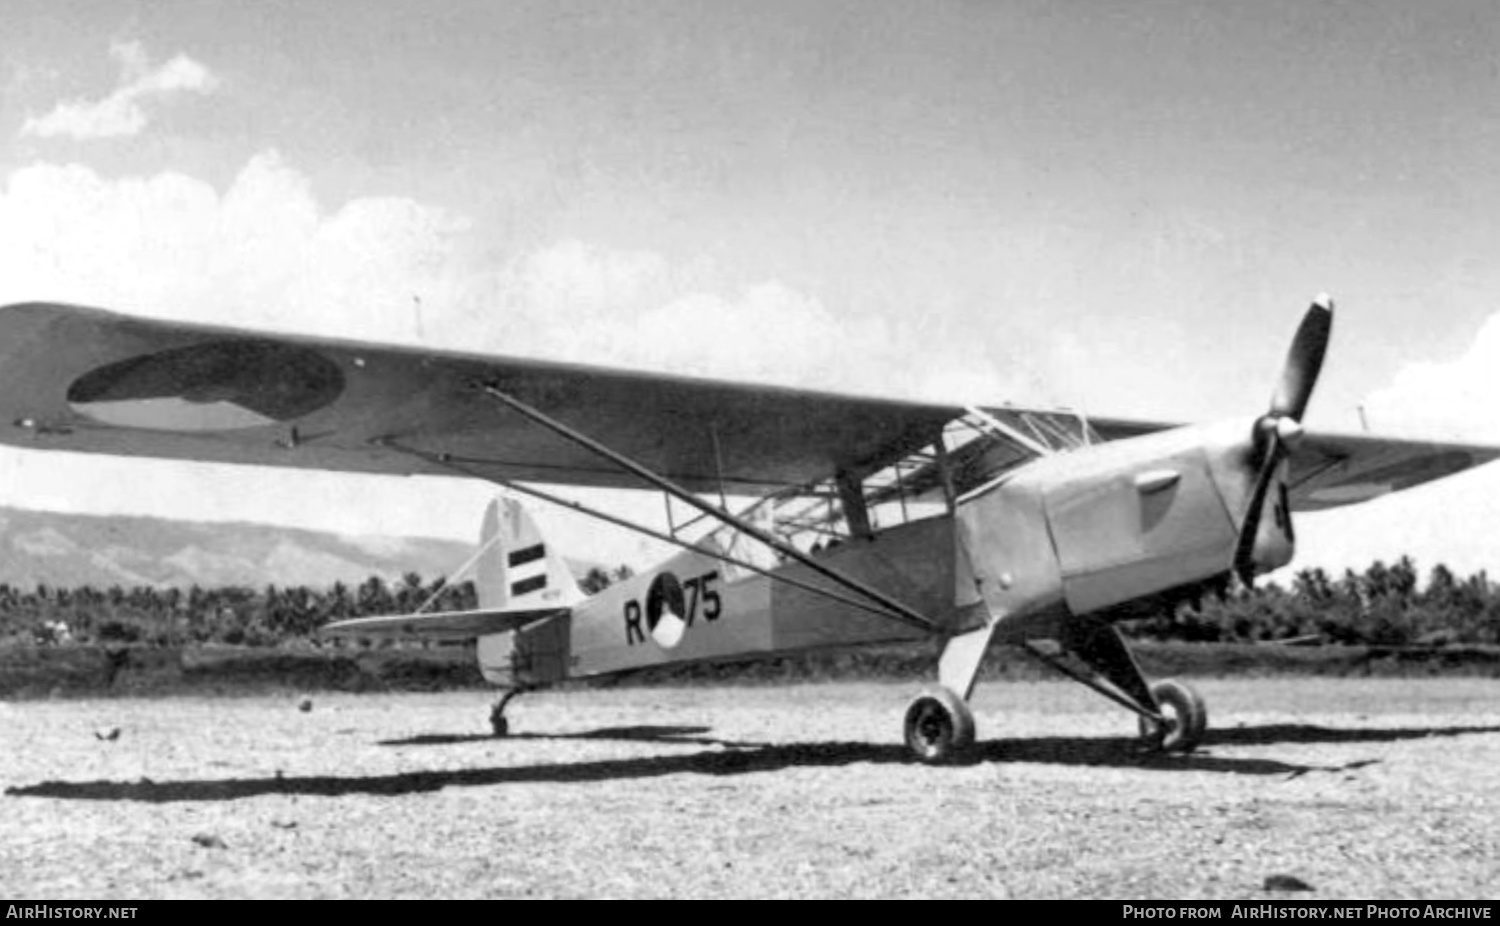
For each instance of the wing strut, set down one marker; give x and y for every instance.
(446, 462)
(899, 611)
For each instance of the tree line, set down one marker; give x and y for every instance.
(1385, 605)
(232, 615)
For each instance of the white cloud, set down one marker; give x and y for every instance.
(1454, 400)
(577, 302)
(573, 276)
(264, 253)
(122, 112)
(261, 254)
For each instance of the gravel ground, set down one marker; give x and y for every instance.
(1360, 788)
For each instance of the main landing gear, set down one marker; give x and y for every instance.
(939, 727)
(1172, 715)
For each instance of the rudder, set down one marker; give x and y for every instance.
(518, 568)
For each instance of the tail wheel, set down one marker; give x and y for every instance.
(1186, 718)
(499, 725)
(939, 726)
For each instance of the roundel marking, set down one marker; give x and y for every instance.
(665, 610)
(215, 386)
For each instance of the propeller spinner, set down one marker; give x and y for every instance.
(1281, 426)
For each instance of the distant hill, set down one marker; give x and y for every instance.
(70, 550)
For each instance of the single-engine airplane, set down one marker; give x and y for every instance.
(868, 520)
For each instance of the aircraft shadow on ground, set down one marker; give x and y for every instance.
(1269, 734)
(655, 733)
(719, 760)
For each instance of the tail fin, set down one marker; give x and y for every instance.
(517, 569)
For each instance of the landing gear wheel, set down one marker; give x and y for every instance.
(1186, 718)
(939, 726)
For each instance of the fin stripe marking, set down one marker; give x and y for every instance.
(527, 555)
(525, 586)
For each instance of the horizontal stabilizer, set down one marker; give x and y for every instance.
(449, 625)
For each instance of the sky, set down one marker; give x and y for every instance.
(1123, 207)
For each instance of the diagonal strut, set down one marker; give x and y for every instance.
(899, 611)
(444, 461)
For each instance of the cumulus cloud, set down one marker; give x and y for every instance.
(1453, 400)
(572, 301)
(123, 111)
(264, 253)
(576, 277)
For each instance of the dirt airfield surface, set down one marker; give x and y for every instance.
(1359, 788)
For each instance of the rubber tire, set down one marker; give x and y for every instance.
(499, 724)
(1187, 718)
(939, 726)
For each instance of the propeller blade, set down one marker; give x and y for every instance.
(1281, 426)
(1244, 550)
(1304, 361)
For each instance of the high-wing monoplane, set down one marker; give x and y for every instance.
(864, 520)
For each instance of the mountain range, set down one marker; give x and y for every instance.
(71, 550)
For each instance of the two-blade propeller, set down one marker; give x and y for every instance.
(1279, 427)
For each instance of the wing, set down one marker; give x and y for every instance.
(93, 381)
(97, 382)
(448, 625)
(1329, 470)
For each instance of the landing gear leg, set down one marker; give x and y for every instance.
(939, 726)
(499, 724)
(1172, 715)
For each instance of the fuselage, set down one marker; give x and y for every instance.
(695, 607)
(1066, 536)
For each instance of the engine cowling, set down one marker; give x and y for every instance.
(1107, 525)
